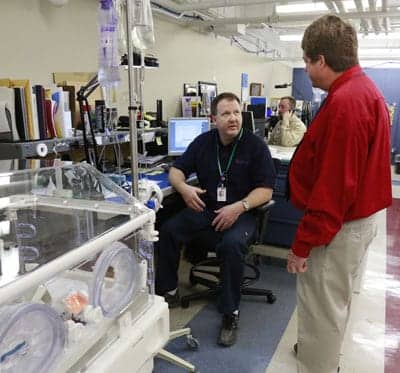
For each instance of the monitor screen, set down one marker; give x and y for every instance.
(258, 110)
(248, 120)
(182, 131)
(258, 100)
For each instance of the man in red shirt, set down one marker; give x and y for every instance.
(340, 177)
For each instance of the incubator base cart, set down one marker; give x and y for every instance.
(76, 275)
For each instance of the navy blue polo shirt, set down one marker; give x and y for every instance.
(252, 166)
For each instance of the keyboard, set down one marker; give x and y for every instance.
(149, 161)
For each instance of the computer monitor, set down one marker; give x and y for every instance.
(258, 110)
(248, 120)
(182, 131)
(258, 104)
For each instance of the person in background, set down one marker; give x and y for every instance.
(289, 130)
(340, 177)
(236, 174)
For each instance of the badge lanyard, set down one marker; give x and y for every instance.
(221, 189)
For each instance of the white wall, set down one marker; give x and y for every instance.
(38, 38)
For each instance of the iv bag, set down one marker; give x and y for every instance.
(142, 25)
(120, 6)
(32, 337)
(116, 279)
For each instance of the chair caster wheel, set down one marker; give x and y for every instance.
(192, 342)
(184, 303)
(271, 298)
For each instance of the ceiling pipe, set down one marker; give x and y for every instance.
(331, 6)
(374, 20)
(203, 5)
(340, 6)
(363, 23)
(222, 4)
(162, 7)
(386, 25)
(308, 17)
(386, 20)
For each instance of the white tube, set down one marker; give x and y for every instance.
(16, 288)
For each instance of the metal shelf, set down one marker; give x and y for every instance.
(31, 149)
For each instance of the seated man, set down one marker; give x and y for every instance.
(289, 130)
(236, 174)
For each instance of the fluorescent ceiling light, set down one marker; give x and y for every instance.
(291, 37)
(301, 8)
(350, 6)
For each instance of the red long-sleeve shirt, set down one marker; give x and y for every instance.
(341, 170)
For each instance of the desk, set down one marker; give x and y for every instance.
(283, 153)
(161, 178)
(173, 202)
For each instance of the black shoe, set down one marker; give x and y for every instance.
(295, 351)
(173, 300)
(228, 332)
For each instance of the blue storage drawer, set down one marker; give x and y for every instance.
(279, 233)
(280, 184)
(284, 210)
(284, 168)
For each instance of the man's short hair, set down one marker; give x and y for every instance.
(292, 101)
(223, 96)
(334, 39)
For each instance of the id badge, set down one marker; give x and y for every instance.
(221, 194)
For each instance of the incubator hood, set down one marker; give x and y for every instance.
(73, 271)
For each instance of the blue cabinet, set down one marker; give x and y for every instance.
(284, 217)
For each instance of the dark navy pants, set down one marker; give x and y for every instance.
(230, 246)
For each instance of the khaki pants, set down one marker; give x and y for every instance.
(324, 295)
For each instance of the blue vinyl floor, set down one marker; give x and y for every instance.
(261, 326)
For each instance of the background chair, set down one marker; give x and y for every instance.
(206, 272)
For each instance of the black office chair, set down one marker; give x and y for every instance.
(206, 272)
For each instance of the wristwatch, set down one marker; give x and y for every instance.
(246, 204)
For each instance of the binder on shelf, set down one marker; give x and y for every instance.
(26, 102)
(7, 96)
(50, 113)
(5, 122)
(27, 91)
(41, 111)
(20, 116)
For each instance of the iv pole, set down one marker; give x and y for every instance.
(133, 104)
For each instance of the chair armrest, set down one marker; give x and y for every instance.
(264, 207)
(262, 213)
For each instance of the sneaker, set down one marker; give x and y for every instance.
(173, 300)
(295, 352)
(228, 332)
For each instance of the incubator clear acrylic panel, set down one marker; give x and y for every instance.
(75, 256)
